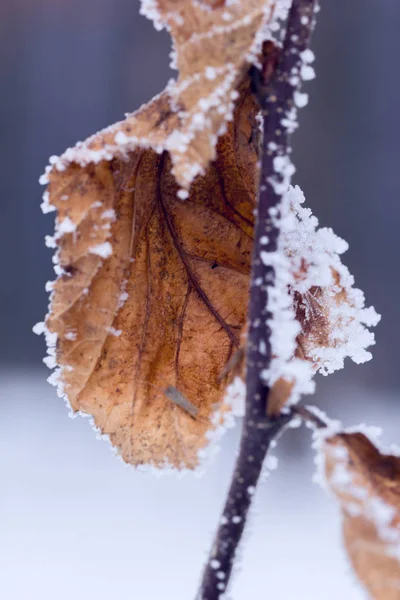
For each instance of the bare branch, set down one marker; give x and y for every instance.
(307, 414)
(275, 87)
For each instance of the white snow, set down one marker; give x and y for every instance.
(50, 362)
(307, 72)
(300, 99)
(183, 194)
(307, 56)
(104, 250)
(50, 241)
(114, 332)
(46, 206)
(108, 214)
(210, 73)
(39, 328)
(65, 226)
(236, 520)
(123, 297)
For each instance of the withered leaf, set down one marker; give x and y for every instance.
(153, 290)
(318, 311)
(329, 313)
(367, 485)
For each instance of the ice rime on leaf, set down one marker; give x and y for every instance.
(317, 317)
(104, 250)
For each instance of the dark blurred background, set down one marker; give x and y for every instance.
(69, 68)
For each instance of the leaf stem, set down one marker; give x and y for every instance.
(276, 96)
(307, 414)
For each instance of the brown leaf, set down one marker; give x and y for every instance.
(367, 486)
(153, 290)
(186, 289)
(331, 312)
(214, 44)
(315, 310)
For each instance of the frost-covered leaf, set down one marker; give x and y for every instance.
(213, 45)
(317, 317)
(366, 484)
(152, 285)
(152, 290)
(152, 296)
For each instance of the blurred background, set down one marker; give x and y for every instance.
(73, 520)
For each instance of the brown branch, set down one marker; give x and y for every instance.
(307, 414)
(275, 89)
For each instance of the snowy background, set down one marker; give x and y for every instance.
(77, 523)
(74, 521)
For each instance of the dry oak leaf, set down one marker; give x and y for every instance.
(367, 485)
(152, 290)
(214, 44)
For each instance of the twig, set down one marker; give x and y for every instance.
(255, 442)
(275, 95)
(307, 414)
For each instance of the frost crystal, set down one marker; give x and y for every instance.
(46, 206)
(104, 250)
(307, 72)
(65, 226)
(300, 99)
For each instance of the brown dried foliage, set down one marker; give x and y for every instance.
(315, 310)
(370, 503)
(184, 266)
